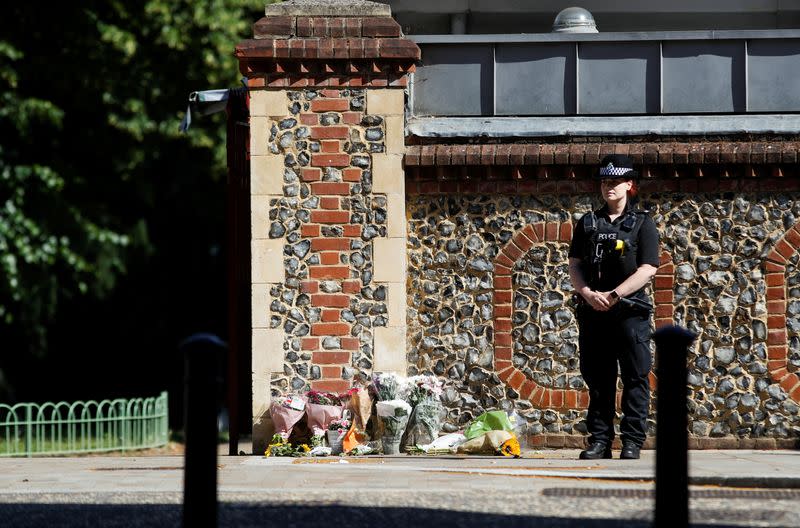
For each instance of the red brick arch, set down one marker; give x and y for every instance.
(516, 248)
(777, 337)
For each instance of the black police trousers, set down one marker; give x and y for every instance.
(618, 336)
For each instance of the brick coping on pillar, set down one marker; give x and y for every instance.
(296, 51)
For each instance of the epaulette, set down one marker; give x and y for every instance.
(631, 217)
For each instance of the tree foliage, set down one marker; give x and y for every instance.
(101, 197)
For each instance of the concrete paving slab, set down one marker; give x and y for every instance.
(546, 488)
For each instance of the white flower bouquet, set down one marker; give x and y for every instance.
(388, 386)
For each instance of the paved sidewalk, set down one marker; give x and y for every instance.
(545, 488)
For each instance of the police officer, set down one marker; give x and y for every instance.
(613, 255)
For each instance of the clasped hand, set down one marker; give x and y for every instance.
(600, 301)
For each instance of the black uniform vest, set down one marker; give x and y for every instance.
(610, 254)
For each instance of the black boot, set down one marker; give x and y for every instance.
(595, 451)
(629, 451)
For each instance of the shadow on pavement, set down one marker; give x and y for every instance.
(294, 516)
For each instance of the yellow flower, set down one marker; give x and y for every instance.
(305, 448)
(272, 446)
(510, 447)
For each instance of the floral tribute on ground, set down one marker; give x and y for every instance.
(286, 411)
(426, 420)
(322, 409)
(280, 447)
(335, 434)
(393, 414)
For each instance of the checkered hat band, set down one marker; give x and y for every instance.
(614, 171)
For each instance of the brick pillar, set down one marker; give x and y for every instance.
(327, 97)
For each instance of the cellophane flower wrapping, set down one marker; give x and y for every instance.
(487, 443)
(393, 415)
(444, 444)
(488, 421)
(286, 411)
(425, 423)
(424, 394)
(322, 408)
(335, 434)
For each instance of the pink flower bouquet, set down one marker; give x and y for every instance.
(340, 425)
(322, 408)
(286, 411)
(335, 433)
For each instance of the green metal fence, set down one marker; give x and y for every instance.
(31, 429)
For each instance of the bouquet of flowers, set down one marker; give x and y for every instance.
(323, 398)
(426, 419)
(443, 445)
(361, 406)
(286, 411)
(393, 415)
(388, 386)
(496, 441)
(423, 387)
(335, 433)
(489, 421)
(280, 446)
(322, 408)
(340, 425)
(510, 447)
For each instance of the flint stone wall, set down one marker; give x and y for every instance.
(718, 244)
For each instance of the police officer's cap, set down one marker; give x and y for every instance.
(617, 166)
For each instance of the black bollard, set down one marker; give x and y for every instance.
(202, 355)
(672, 444)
